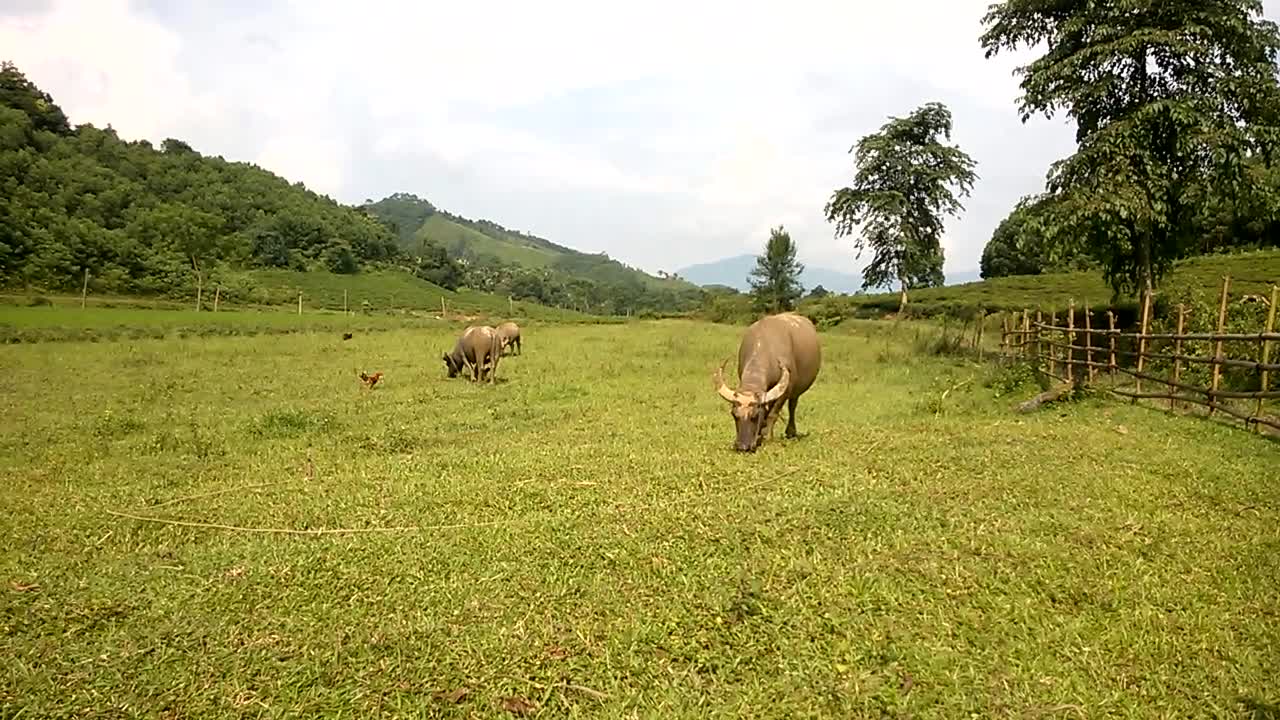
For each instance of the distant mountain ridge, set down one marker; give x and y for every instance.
(733, 272)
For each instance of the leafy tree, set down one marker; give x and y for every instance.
(775, 280)
(435, 265)
(16, 91)
(818, 292)
(901, 191)
(1241, 218)
(1170, 99)
(339, 258)
(1028, 242)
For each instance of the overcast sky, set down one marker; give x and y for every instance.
(665, 133)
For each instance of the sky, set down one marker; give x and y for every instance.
(664, 133)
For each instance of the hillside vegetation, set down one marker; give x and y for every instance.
(144, 220)
(616, 558)
(496, 259)
(1251, 273)
(171, 222)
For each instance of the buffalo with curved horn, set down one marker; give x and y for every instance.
(778, 361)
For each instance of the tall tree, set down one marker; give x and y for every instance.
(775, 280)
(906, 182)
(1169, 99)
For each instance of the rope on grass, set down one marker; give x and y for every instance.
(316, 531)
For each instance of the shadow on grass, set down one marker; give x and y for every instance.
(1258, 710)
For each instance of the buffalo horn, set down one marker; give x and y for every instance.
(721, 388)
(778, 390)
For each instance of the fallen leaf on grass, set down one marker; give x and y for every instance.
(1122, 430)
(517, 705)
(453, 696)
(22, 587)
(555, 652)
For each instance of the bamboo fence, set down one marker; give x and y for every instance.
(1079, 353)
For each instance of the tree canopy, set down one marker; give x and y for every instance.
(775, 279)
(1026, 242)
(906, 182)
(1171, 101)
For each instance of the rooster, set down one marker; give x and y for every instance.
(370, 380)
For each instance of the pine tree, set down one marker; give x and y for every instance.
(775, 280)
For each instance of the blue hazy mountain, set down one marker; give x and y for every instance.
(733, 271)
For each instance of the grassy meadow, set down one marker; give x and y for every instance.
(579, 540)
(404, 302)
(1251, 273)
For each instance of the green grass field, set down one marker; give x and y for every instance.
(396, 299)
(579, 540)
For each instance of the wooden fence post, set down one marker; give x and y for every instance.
(1071, 340)
(1111, 338)
(982, 317)
(444, 314)
(1039, 356)
(84, 291)
(1053, 351)
(299, 303)
(1142, 338)
(1217, 346)
(1266, 347)
(1088, 341)
(1004, 337)
(1027, 337)
(344, 301)
(1177, 353)
(217, 296)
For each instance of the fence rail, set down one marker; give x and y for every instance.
(1079, 354)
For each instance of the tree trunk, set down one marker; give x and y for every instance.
(902, 295)
(1146, 283)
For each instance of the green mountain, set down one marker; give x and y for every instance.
(154, 221)
(167, 221)
(486, 243)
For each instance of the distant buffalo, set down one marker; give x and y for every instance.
(479, 347)
(778, 359)
(509, 333)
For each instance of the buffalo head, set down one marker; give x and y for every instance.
(451, 364)
(751, 409)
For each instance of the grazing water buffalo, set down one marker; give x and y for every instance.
(509, 332)
(480, 347)
(778, 360)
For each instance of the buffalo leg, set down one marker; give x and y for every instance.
(791, 417)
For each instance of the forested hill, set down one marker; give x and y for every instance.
(162, 221)
(146, 220)
(488, 244)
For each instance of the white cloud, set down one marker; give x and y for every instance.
(107, 65)
(664, 133)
